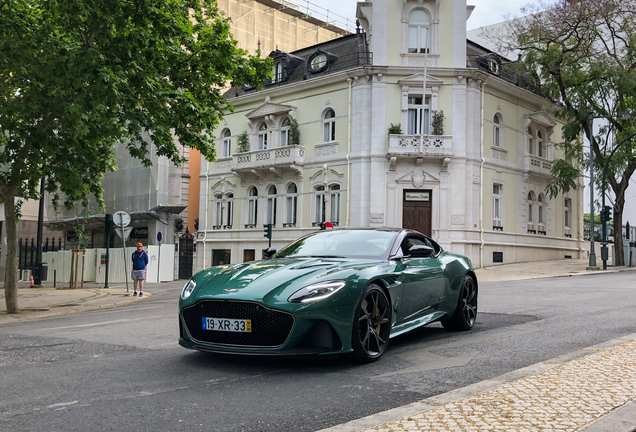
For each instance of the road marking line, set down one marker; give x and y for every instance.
(63, 404)
(101, 323)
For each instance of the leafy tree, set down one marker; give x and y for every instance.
(78, 76)
(583, 56)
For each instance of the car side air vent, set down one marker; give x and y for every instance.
(391, 279)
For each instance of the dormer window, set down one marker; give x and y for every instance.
(320, 61)
(419, 32)
(278, 72)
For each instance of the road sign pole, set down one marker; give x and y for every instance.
(123, 238)
(107, 258)
(159, 237)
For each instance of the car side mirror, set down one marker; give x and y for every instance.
(421, 251)
(268, 253)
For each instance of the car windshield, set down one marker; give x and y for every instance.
(374, 244)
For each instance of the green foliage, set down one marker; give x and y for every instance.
(438, 122)
(81, 226)
(294, 133)
(565, 177)
(395, 129)
(243, 142)
(78, 76)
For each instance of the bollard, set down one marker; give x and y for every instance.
(54, 278)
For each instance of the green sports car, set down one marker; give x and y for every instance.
(330, 292)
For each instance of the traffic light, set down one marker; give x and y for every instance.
(606, 214)
(267, 231)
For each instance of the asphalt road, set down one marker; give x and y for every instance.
(122, 369)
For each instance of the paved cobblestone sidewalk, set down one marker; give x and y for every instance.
(564, 398)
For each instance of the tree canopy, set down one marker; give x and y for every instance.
(78, 76)
(583, 56)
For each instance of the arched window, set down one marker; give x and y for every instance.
(252, 205)
(320, 206)
(540, 143)
(284, 132)
(567, 218)
(229, 211)
(277, 72)
(531, 220)
(419, 31)
(530, 143)
(335, 204)
(329, 126)
(292, 205)
(271, 205)
(542, 210)
(496, 130)
(262, 136)
(227, 143)
(219, 212)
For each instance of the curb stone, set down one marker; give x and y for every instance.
(620, 419)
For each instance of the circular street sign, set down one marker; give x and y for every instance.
(159, 236)
(121, 218)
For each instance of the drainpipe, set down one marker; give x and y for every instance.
(481, 177)
(350, 81)
(205, 232)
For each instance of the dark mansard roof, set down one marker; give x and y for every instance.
(347, 52)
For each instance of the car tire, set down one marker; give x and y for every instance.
(371, 325)
(465, 314)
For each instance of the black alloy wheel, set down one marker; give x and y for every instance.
(465, 313)
(372, 325)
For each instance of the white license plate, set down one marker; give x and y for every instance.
(225, 324)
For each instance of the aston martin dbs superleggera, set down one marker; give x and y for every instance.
(329, 292)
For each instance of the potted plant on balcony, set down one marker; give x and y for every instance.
(196, 224)
(178, 224)
(438, 122)
(395, 129)
(243, 142)
(294, 133)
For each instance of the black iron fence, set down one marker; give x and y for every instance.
(27, 254)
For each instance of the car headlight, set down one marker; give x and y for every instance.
(188, 288)
(315, 292)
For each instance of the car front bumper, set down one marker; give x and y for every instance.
(313, 332)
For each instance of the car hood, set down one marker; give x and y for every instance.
(273, 281)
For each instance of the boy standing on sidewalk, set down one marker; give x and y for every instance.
(140, 261)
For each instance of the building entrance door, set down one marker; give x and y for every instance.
(417, 211)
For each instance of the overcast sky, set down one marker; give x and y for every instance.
(486, 11)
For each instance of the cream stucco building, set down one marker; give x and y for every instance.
(473, 181)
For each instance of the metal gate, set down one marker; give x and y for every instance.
(186, 254)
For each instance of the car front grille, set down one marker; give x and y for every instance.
(270, 328)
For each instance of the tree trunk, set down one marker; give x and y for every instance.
(11, 273)
(619, 255)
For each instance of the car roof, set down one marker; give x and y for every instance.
(391, 229)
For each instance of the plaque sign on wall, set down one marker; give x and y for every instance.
(417, 196)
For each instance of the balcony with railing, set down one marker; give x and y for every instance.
(538, 166)
(269, 158)
(433, 146)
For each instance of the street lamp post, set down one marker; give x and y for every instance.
(592, 263)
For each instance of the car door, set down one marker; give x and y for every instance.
(423, 280)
